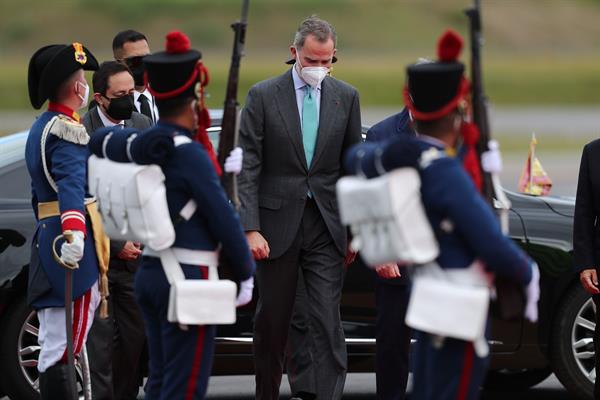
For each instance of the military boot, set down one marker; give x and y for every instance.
(55, 384)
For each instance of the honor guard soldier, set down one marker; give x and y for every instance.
(181, 356)
(466, 229)
(56, 156)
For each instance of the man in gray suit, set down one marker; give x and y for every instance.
(115, 345)
(294, 131)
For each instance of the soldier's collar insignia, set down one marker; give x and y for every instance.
(80, 55)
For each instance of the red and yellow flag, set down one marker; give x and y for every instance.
(534, 180)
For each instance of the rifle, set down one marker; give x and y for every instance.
(511, 299)
(230, 122)
(478, 98)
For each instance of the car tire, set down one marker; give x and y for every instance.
(572, 343)
(509, 380)
(13, 377)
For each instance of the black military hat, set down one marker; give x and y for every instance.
(51, 65)
(434, 89)
(176, 71)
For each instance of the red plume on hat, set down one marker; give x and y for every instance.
(177, 42)
(449, 46)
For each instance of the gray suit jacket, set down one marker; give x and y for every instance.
(92, 122)
(275, 179)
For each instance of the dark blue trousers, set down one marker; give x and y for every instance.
(393, 338)
(180, 360)
(450, 371)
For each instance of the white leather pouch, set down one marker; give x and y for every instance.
(447, 305)
(202, 302)
(197, 301)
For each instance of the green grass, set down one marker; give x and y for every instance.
(537, 52)
(532, 80)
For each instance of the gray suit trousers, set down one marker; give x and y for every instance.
(314, 252)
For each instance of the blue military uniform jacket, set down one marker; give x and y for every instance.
(66, 159)
(189, 174)
(465, 225)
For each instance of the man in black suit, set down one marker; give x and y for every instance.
(586, 234)
(115, 344)
(130, 47)
(392, 291)
(294, 131)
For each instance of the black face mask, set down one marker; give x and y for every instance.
(120, 108)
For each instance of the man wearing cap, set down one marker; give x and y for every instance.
(294, 130)
(56, 157)
(468, 233)
(115, 344)
(181, 356)
(130, 47)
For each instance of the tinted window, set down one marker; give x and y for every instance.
(14, 179)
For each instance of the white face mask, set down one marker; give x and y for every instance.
(86, 96)
(313, 76)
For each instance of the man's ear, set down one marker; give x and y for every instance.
(98, 98)
(293, 51)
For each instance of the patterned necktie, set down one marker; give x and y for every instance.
(310, 123)
(145, 106)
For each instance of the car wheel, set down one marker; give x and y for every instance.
(509, 380)
(573, 354)
(19, 352)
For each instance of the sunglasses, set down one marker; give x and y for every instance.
(133, 62)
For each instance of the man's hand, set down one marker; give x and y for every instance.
(130, 252)
(589, 280)
(258, 245)
(350, 256)
(388, 271)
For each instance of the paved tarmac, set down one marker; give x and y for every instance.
(362, 387)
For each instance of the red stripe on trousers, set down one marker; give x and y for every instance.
(83, 326)
(465, 377)
(193, 381)
(80, 311)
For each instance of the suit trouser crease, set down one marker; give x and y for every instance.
(116, 343)
(314, 252)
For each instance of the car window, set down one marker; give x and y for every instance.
(14, 179)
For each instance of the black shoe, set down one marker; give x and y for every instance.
(55, 384)
(304, 396)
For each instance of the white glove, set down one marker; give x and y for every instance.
(71, 253)
(491, 160)
(245, 294)
(233, 163)
(533, 294)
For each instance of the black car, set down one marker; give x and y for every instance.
(523, 354)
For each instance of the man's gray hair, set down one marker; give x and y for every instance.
(316, 26)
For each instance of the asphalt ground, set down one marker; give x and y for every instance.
(362, 387)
